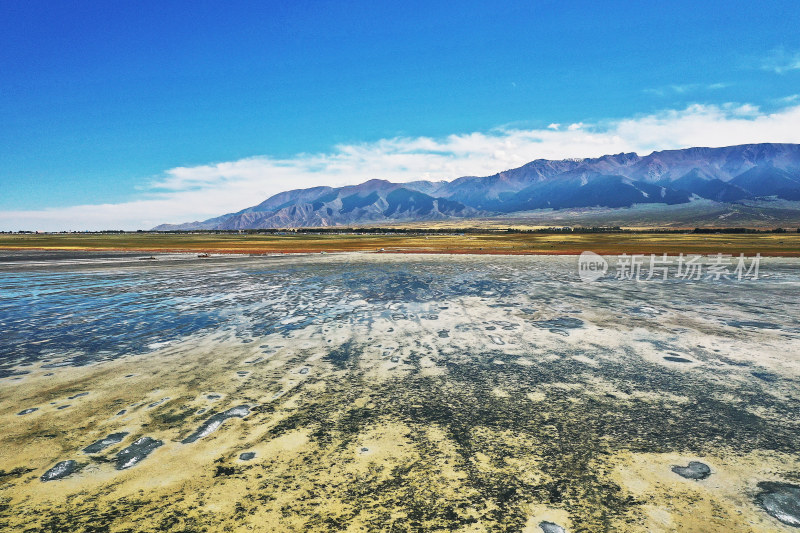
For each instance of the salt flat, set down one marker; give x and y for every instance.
(389, 392)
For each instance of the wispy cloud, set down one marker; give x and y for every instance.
(781, 61)
(195, 193)
(686, 88)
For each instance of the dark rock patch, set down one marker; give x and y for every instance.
(564, 322)
(157, 403)
(136, 452)
(695, 470)
(780, 501)
(102, 444)
(61, 470)
(550, 527)
(215, 421)
(676, 359)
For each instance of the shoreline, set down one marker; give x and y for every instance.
(462, 251)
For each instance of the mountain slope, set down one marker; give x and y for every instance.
(766, 180)
(706, 186)
(727, 175)
(375, 201)
(591, 189)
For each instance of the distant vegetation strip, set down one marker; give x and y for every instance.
(749, 242)
(418, 231)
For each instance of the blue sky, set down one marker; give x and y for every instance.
(101, 101)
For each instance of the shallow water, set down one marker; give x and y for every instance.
(62, 313)
(136, 452)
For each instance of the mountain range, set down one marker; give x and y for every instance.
(728, 175)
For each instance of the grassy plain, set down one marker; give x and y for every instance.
(767, 244)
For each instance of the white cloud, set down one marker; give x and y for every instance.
(781, 61)
(196, 193)
(686, 88)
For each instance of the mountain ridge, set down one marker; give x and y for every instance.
(726, 174)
